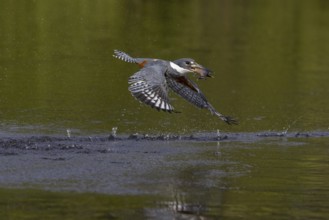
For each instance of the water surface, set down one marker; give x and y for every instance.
(273, 177)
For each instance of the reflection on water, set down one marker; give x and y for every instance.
(277, 178)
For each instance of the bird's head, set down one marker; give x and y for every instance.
(189, 65)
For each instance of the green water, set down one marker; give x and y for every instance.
(270, 62)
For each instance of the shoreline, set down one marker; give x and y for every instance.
(35, 142)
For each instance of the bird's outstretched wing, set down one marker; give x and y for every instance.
(150, 87)
(190, 91)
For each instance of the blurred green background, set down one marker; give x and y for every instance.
(57, 72)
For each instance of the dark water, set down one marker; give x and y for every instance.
(270, 60)
(273, 177)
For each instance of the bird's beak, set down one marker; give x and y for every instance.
(201, 70)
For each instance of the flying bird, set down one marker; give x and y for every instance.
(150, 85)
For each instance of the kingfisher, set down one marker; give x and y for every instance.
(150, 85)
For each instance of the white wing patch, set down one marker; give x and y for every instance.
(143, 92)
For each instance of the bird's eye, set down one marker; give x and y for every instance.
(187, 62)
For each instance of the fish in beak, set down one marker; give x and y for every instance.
(202, 71)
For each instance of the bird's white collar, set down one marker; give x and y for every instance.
(178, 68)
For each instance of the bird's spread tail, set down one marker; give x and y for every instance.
(123, 56)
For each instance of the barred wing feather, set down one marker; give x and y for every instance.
(188, 90)
(149, 87)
